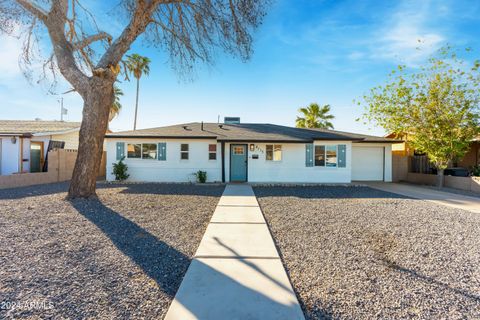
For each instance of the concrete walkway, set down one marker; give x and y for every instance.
(236, 272)
(440, 197)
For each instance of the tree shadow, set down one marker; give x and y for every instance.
(167, 266)
(427, 279)
(33, 191)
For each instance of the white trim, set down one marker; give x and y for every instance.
(52, 133)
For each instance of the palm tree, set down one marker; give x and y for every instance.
(137, 65)
(315, 116)
(116, 106)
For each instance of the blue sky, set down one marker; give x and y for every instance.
(330, 52)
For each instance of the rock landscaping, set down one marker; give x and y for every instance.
(120, 256)
(359, 253)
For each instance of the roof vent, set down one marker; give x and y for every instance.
(185, 127)
(231, 120)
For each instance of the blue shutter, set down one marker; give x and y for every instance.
(309, 155)
(162, 151)
(342, 155)
(120, 150)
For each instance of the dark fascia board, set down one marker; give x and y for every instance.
(158, 137)
(19, 134)
(379, 141)
(263, 141)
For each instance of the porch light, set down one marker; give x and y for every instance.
(14, 140)
(252, 147)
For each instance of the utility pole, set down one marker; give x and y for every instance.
(61, 109)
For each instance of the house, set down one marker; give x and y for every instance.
(24, 144)
(420, 162)
(253, 152)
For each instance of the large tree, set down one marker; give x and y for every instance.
(315, 116)
(436, 106)
(89, 58)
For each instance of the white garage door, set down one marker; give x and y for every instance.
(367, 163)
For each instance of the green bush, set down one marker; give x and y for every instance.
(120, 170)
(201, 176)
(476, 171)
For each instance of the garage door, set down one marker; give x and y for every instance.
(367, 163)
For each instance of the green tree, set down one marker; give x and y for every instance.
(437, 106)
(137, 65)
(116, 105)
(89, 58)
(315, 116)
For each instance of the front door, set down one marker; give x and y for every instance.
(36, 156)
(238, 162)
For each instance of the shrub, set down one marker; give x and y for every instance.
(201, 176)
(476, 171)
(120, 170)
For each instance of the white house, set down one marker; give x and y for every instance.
(24, 144)
(253, 152)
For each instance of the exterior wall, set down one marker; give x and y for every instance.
(399, 167)
(472, 157)
(173, 169)
(71, 139)
(10, 154)
(292, 167)
(60, 168)
(422, 178)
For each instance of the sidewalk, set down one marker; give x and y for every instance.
(440, 197)
(236, 272)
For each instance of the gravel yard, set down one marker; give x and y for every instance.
(121, 256)
(359, 253)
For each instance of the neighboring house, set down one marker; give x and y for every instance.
(469, 160)
(249, 152)
(24, 144)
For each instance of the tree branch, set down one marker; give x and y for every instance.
(89, 40)
(33, 9)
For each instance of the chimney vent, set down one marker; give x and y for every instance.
(231, 120)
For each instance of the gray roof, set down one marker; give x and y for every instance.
(246, 132)
(29, 127)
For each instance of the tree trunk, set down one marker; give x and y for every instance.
(440, 178)
(136, 105)
(97, 104)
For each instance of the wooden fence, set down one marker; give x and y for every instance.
(60, 168)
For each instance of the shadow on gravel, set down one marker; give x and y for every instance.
(208, 190)
(33, 191)
(153, 256)
(418, 276)
(165, 264)
(325, 192)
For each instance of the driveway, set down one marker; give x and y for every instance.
(362, 253)
(450, 199)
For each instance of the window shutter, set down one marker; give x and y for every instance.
(162, 151)
(342, 155)
(309, 155)
(120, 150)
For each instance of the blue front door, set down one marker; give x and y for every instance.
(238, 162)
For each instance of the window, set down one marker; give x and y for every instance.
(184, 151)
(142, 151)
(326, 156)
(149, 151)
(319, 156)
(274, 152)
(331, 156)
(212, 152)
(134, 151)
(238, 150)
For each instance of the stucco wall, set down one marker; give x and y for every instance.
(292, 166)
(10, 154)
(173, 169)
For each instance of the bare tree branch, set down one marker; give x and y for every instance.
(89, 40)
(33, 9)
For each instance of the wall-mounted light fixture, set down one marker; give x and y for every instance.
(252, 147)
(14, 140)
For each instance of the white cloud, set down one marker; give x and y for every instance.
(408, 38)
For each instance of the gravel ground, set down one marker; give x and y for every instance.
(359, 253)
(121, 256)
